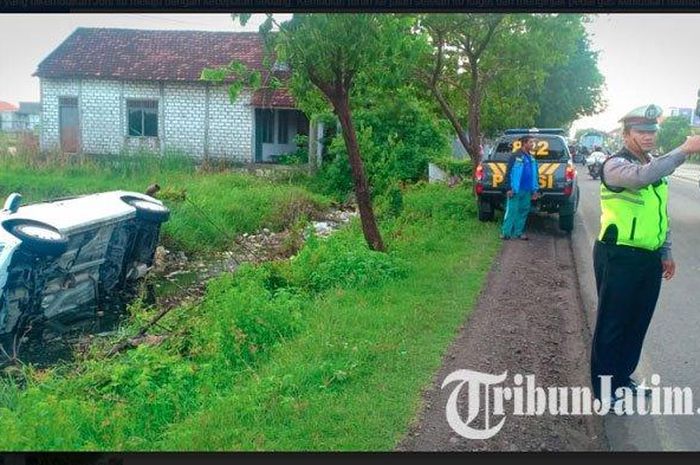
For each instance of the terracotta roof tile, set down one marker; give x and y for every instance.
(149, 55)
(134, 54)
(6, 106)
(273, 98)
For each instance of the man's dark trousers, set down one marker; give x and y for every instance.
(628, 280)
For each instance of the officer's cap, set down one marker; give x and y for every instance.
(644, 118)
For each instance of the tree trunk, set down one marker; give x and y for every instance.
(369, 225)
(447, 110)
(475, 117)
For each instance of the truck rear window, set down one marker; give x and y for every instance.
(547, 148)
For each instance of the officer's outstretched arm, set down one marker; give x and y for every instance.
(619, 172)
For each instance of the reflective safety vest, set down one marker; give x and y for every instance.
(640, 215)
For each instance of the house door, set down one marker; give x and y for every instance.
(264, 133)
(69, 124)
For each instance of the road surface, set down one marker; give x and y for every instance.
(672, 346)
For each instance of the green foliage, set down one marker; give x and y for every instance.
(397, 131)
(429, 201)
(342, 261)
(390, 204)
(573, 89)
(455, 167)
(236, 74)
(672, 132)
(300, 156)
(327, 351)
(208, 209)
(397, 138)
(513, 66)
(245, 318)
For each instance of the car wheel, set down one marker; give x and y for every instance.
(485, 210)
(38, 237)
(566, 222)
(148, 211)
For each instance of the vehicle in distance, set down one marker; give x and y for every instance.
(557, 175)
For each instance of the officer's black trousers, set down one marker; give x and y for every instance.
(628, 280)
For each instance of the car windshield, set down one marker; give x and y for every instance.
(547, 148)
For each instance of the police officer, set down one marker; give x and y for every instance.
(633, 250)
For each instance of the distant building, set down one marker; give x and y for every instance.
(7, 116)
(26, 117)
(688, 113)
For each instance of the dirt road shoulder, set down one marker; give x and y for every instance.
(529, 320)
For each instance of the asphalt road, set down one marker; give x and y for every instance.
(672, 345)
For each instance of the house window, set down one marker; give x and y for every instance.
(143, 117)
(268, 126)
(283, 127)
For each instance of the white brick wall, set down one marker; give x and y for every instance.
(231, 127)
(99, 116)
(185, 117)
(182, 118)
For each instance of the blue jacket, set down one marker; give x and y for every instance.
(514, 172)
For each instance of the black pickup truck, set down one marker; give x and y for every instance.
(558, 184)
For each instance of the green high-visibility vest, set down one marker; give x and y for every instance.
(640, 215)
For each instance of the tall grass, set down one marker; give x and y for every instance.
(208, 207)
(327, 351)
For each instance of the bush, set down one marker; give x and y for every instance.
(672, 132)
(342, 260)
(455, 167)
(389, 204)
(397, 138)
(300, 156)
(437, 201)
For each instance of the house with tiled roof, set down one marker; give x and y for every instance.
(7, 114)
(109, 91)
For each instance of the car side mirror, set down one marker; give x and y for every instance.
(13, 202)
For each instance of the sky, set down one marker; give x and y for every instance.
(645, 58)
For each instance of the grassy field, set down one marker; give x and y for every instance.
(328, 351)
(208, 208)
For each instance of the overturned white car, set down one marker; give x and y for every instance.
(61, 260)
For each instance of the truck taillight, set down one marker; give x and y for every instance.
(479, 172)
(479, 176)
(570, 173)
(569, 176)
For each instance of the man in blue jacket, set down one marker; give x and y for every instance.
(522, 186)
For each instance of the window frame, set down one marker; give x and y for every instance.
(283, 119)
(267, 135)
(145, 106)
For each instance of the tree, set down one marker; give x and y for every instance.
(328, 55)
(672, 132)
(333, 52)
(490, 68)
(572, 90)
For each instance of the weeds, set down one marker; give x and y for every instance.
(238, 202)
(326, 351)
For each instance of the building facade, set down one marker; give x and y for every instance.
(144, 93)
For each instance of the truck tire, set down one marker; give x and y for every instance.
(485, 210)
(147, 210)
(566, 222)
(38, 237)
